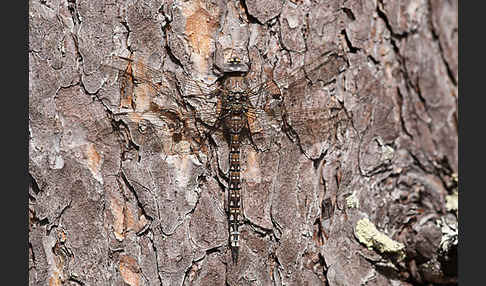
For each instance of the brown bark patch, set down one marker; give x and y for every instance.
(118, 218)
(129, 270)
(199, 28)
(54, 280)
(94, 161)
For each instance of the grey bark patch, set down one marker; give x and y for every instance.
(264, 10)
(207, 223)
(292, 23)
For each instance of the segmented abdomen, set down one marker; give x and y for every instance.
(234, 194)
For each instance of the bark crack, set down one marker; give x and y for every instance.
(150, 237)
(33, 185)
(352, 49)
(76, 280)
(400, 111)
(74, 12)
(436, 37)
(171, 55)
(384, 17)
(134, 192)
(249, 17)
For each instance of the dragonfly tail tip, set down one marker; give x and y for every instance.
(234, 254)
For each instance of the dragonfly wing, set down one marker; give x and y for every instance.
(144, 72)
(166, 132)
(265, 124)
(313, 127)
(306, 126)
(160, 105)
(325, 69)
(307, 113)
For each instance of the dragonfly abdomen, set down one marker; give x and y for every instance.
(234, 194)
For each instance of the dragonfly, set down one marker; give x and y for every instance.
(184, 114)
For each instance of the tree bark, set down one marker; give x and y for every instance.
(371, 201)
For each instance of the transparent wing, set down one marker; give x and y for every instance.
(145, 73)
(325, 68)
(167, 131)
(305, 126)
(148, 85)
(299, 106)
(311, 126)
(157, 107)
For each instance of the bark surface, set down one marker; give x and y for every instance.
(374, 202)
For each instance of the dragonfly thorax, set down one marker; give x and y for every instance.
(236, 107)
(236, 84)
(237, 97)
(236, 103)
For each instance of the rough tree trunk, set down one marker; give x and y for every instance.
(374, 205)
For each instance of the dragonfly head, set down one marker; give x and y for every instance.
(235, 65)
(234, 60)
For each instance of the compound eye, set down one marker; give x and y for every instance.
(234, 60)
(244, 98)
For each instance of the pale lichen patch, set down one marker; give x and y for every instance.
(452, 202)
(450, 235)
(56, 161)
(367, 234)
(387, 153)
